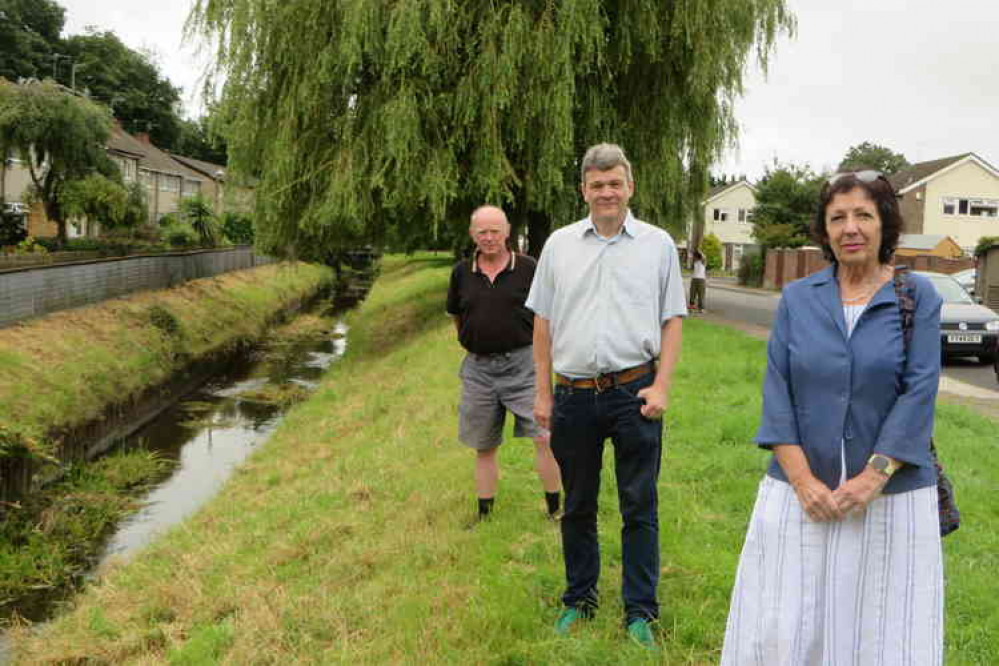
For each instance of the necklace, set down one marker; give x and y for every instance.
(869, 291)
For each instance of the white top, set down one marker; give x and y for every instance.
(700, 270)
(606, 299)
(851, 313)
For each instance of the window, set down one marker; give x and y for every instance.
(971, 207)
(745, 215)
(721, 215)
(169, 184)
(983, 207)
(126, 166)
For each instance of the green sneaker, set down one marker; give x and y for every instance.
(640, 632)
(566, 619)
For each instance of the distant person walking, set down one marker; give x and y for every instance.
(842, 562)
(486, 300)
(698, 283)
(608, 298)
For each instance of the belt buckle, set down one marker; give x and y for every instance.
(598, 382)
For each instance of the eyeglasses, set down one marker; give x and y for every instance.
(866, 176)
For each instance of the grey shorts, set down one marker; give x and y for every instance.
(491, 385)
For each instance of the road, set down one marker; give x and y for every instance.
(755, 309)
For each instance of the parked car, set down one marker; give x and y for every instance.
(966, 279)
(966, 328)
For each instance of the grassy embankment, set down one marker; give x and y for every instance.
(341, 540)
(62, 370)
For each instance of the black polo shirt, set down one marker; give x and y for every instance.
(492, 315)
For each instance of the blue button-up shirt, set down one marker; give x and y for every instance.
(830, 392)
(606, 299)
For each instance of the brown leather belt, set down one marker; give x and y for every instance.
(609, 379)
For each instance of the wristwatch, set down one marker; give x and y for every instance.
(883, 464)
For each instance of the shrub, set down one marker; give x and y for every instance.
(13, 229)
(197, 212)
(180, 235)
(30, 246)
(984, 243)
(711, 246)
(751, 270)
(237, 228)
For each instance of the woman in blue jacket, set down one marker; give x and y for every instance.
(842, 562)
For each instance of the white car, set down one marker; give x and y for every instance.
(966, 279)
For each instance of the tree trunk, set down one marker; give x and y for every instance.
(539, 226)
(54, 214)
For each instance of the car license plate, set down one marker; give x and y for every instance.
(959, 338)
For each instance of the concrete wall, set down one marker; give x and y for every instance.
(33, 292)
(987, 284)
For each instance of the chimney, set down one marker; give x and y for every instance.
(143, 137)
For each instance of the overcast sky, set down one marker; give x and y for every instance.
(914, 75)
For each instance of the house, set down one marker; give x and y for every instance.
(727, 212)
(954, 196)
(14, 183)
(911, 245)
(219, 188)
(166, 181)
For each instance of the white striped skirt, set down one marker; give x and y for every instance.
(867, 590)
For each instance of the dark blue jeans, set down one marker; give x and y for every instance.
(581, 420)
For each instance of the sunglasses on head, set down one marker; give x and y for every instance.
(866, 176)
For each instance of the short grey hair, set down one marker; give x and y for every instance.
(475, 213)
(604, 157)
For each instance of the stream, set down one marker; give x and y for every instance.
(208, 432)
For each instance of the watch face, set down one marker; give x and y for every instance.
(879, 463)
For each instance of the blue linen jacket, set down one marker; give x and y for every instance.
(823, 388)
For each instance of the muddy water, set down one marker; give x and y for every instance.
(211, 431)
(208, 433)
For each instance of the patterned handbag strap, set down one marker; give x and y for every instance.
(907, 309)
(906, 304)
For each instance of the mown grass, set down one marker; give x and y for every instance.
(342, 540)
(63, 370)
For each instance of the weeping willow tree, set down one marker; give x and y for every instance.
(357, 116)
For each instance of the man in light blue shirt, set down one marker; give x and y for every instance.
(608, 302)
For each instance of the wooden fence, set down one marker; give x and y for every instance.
(783, 266)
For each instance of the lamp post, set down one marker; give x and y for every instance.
(72, 73)
(55, 63)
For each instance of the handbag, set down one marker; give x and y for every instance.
(950, 516)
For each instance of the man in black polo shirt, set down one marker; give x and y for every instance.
(486, 300)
